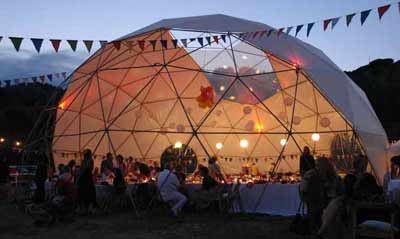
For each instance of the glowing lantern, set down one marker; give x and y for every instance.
(218, 145)
(283, 142)
(221, 88)
(244, 143)
(18, 143)
(315, 137)
(247, 110)
(178, 145)
(259, 127)
(324, 122)
(2, 140)
(62, 105)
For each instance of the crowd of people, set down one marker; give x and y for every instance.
(329, 198)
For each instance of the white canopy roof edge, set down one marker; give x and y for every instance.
(340, 90)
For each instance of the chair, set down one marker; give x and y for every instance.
(383, 212)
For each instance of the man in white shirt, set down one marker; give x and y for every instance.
(168, 185)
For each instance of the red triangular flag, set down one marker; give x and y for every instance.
(255, 34)
(382, 10)
(88, 44)
(215, 39)
(55, 43)
(117, 44)
(326, 23)
(141, 44)
(280, 31)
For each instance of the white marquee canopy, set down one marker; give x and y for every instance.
(272, 96)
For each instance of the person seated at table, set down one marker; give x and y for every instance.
(168, 185)
(180, 174)
(306, 161)
(107, 163)
(215, 170)
(155, 169)
(208, 192)
(107, 177)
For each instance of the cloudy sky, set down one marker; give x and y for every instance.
(106, 20)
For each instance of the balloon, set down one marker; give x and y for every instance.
(324, 122)
(288, 101)
(206, 97)
(296, 120)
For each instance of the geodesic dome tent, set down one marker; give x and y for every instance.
(201, 82)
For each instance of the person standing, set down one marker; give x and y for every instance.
(214, 169)
(107, 163)
(40, 179)
(86, 187)
(306, 161)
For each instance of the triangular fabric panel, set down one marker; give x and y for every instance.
(16, 41)
(37, 43)
(73, 44)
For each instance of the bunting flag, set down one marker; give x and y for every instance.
(103, 43)
(64, 74)
(117, 45)
(262, 33)
(349, 18)
(298, 29)
(55, 43)
(200, 40)
(326, 23)
(175, 43)
(8, 83)
(42, 78)
(223, 37)
(88, 44)
(309, 27)
(280, 30)
(164, 44)
(288, 30)
(16, 41)
(364, 16)
(1, 38)
(50, 77)
(141, 44)
(208, 39)
(153, 43)
(34, 79)
(215, 39)
(16, 81)
(192, 39)
(334, 22)
(129, 44)
(73, 44)
(270, 32)
(255, 34)
(37, 43)
(382, 10)
(184, 42)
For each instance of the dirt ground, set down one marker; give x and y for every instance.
(14, 223)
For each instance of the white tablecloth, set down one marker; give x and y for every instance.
(277, 199)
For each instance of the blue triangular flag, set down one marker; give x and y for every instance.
(164, 44)
(50, 77)
(241, 35)
(223, 37)
(153, 43)
(37, 43)
(200, 40)
(175, 43)
(334, 22)
(103, 43)
(364, 15)
(288, 30)
(270, 32)
(208, 40)
(1, 38)
(184, 42)
(309, 27)
(192, 39)
(298, 29)
(34, 79)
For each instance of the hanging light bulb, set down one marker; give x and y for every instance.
(244, 143)
(218, 145)
(283, 142)
(2, 140)
(178, 145)
(221, 88)
(315, 137)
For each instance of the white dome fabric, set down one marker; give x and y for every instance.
(138, 102)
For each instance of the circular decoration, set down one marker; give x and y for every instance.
(247, 110)
(250, 125)
(218, 112)
(324, 122)
(288, 101)
(282, 116)
(296, 120)
(172, 125)
(180, 128)
(206, 97)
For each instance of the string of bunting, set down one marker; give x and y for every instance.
(34, 79)
(332, 22)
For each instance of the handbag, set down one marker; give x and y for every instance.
(301, 223)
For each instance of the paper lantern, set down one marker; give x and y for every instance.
(206, 97)
(180, 128)
(283, 142)
(315, 137)
(324, 122)
(247, 110)
(288, 101)
(296, 120)
(219, 146)
(250, 125)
